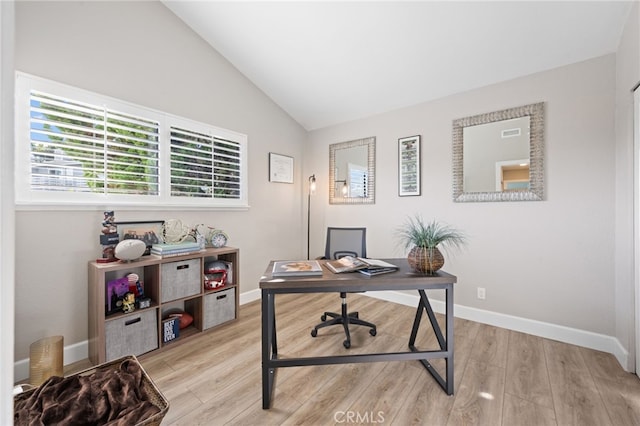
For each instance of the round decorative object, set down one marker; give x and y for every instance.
(173, 231)
(130, 249)
(219, 238)
(426, 260)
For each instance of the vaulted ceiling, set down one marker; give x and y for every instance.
(331, 62)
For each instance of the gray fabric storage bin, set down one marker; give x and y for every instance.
(133, 334)
(180, 279)
(219, 307)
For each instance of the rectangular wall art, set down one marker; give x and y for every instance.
(409, 166)
(280, 168)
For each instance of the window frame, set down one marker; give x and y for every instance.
(25, 196)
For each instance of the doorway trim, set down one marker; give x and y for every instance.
(636, 222)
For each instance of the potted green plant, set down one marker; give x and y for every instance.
(423, 241)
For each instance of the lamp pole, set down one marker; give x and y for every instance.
(312, 189)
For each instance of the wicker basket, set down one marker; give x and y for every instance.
(153, 393)
(425, 260)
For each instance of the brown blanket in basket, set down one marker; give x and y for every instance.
(109, 397)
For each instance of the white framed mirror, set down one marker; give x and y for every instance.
(352, 172)
(499, 156)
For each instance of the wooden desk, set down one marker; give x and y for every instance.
(329, 282)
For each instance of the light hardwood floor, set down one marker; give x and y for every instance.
(502, 377)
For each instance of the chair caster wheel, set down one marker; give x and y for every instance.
(346, 344)
(323, 318)
(373, 332)
(314, 332)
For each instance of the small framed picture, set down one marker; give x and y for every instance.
(409, 166)
(170, 329)
(148, 231)
(280, 168)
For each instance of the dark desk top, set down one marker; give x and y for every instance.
(403, 279)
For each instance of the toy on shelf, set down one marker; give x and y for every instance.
(109, 238)
(128, 302)
(125, 294)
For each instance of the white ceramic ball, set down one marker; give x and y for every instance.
(130, 249)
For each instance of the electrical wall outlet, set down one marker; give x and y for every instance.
(481, 293)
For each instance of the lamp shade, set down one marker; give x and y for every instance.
(312, 184)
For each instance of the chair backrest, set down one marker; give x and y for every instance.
(346, 242)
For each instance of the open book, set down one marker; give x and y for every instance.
(351, 264)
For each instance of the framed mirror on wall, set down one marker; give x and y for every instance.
(352, 172)
(499, 156)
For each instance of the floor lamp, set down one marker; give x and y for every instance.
(312, 190)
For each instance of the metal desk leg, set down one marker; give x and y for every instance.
(446, 345)
(269, 347)
(449, 343)
(433, 320)
(416, 325)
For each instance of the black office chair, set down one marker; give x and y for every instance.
(344, 242)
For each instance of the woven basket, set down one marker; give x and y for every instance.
(426, 260)
(154, 395)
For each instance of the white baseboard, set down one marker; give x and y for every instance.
(560, 333)
(601, 342)
(250, 296)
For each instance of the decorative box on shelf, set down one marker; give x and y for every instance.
(180, 279)
(219, 307)
(135, 334)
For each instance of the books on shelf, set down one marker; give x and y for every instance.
(296, 268)
(165, 250)
(352, 264)
(175, 246)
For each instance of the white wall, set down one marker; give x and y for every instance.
(142, 53)
(549, 261)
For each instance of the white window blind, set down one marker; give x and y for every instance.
(204, 166)
(84, 148)
(79, 147)
(132, 150)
